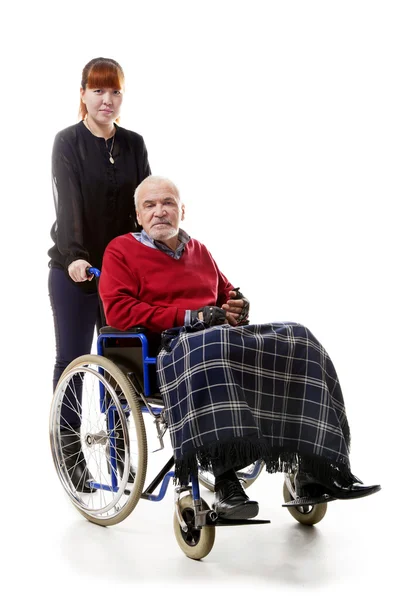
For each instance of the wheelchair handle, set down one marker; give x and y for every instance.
(96, 272)
(93, 271)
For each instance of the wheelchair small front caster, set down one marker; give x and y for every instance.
(196, 542)
(306, 515)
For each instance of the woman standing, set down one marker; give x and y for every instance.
(96, 167)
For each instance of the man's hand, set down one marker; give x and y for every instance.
(210, 315)
(77, 271)
(237, 308)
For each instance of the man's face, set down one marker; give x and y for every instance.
(159, 211)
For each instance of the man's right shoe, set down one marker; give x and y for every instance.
(74, 460)
(307, 485)
(231, 502)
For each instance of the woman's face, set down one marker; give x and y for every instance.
(103, 104)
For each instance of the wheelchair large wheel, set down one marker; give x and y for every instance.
(306, 515)
(247, 476)
(195, 543)
(112, 428)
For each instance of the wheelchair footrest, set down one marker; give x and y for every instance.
(231, 522)
(305, 501)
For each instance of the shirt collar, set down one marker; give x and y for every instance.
(183, 239)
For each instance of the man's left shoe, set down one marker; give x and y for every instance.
(337, 487)
(231, 502)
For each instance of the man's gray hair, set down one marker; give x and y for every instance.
(157, 179)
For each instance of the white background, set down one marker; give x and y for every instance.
(279, 122)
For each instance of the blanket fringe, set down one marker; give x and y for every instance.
(239, 453)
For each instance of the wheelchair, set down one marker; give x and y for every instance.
(117, 387)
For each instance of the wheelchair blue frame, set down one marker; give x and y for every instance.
(147, 360)
(165, 475)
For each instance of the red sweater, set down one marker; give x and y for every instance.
(140, 285)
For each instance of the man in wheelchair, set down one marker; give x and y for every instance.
(233, 392)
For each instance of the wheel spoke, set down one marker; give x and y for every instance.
(79, 393)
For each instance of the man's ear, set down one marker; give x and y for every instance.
(183, 212)
(138, 218)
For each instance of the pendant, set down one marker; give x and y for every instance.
(111, 160)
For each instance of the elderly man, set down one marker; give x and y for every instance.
(233, 392)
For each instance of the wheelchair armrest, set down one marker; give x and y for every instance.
(138, 329)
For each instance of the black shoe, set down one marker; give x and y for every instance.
(338, 487)
(231, 502)
(74, 460)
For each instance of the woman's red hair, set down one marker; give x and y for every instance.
(101, 73)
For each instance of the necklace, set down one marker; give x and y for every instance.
(105, 141)
(110, 150)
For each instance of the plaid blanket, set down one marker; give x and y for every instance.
(237, 394)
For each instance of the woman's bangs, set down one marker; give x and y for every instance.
(105, 76)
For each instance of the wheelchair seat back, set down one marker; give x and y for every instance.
(126, 353)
